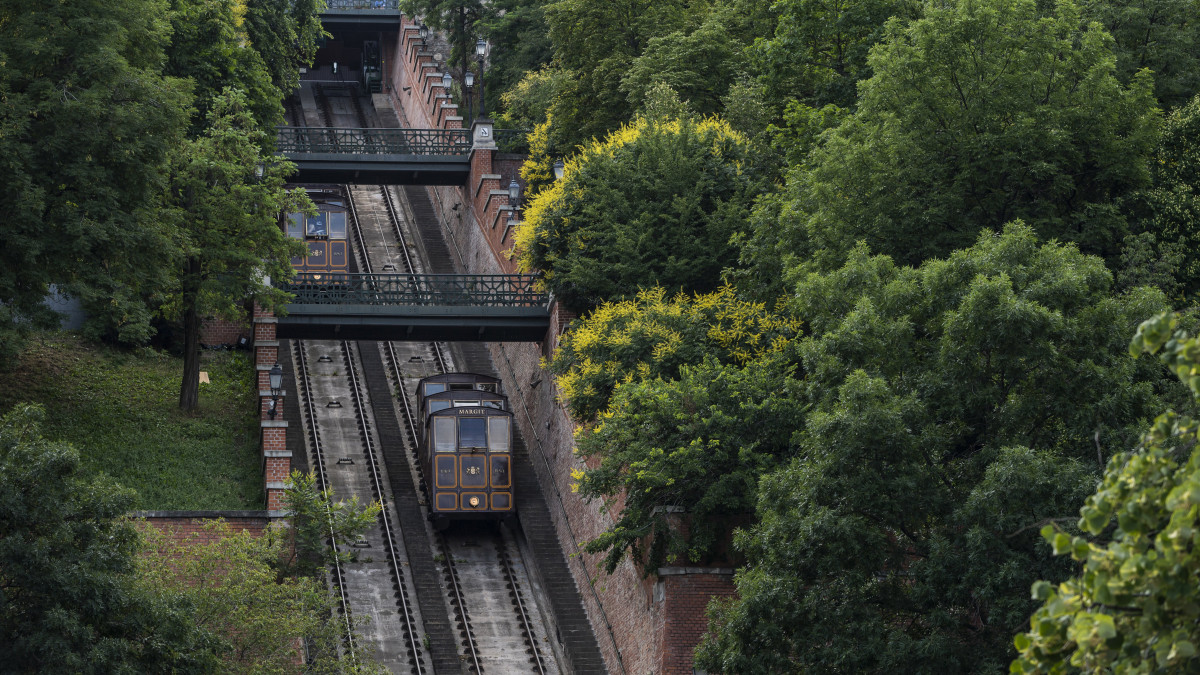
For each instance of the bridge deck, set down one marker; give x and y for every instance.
(362, 14)
(459, 307)
(377, 156)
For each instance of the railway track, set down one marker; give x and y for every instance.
(497, 584)
(470, 609)
(351, 466)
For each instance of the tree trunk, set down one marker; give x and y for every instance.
(189, 389)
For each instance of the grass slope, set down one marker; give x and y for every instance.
(120, 410)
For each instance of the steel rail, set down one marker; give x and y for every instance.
(526, 623)
(303, 383)
(356, 393)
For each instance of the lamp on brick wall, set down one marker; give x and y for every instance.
(469, 81)
(275, 378)
(423, 31)
(514, 193)
(447, 81)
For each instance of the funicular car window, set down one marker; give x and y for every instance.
(494, 404)
(337, 225)
(295, 225)
(472, 432)
(466, 404)
(498, 431)
(434, 388)
(443, 434)
(435, 406)
(316, 225)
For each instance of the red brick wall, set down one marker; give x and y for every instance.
(223, 332)
(682, 618)
(277, 462)
(183, 524)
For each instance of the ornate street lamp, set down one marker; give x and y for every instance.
(468, 82)
(514, 193)
(275, 376)
(447, 81)
(559, 170)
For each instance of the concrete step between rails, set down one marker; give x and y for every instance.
(579, 641)
(443, 646)
(437, 252)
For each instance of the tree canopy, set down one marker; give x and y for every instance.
(1132, 605)
(88, 122)
(654, 204)
(69, 596)
(950, 406)
(227, 215)
(979, 113)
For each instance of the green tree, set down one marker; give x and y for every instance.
(230, 580)
(1161, 35)
(678, 461)
(979, 113)
(654, 204)
(520, 42)
(594, 44)
(652, 337)
(699, 65)
(227, 215)
(86, 124)
(818, 49)
(69, 601)
(208, 46)
(952, 408)
(1131, 608)
(1171, 208)
(316, 520)
(285, 35)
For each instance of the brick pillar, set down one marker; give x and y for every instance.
(277, 459)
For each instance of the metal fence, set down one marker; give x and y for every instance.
(438, 142)
(479, 290)
(362, 4)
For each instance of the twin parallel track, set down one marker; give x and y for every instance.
(408, 545)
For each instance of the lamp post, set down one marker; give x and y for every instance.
(559, 169)
(276, 381)
(481, 49)
(514, 193)
(447, 81)
(469, 81)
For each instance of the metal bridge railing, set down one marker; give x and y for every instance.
(437, 142)
(362, 4)
(479, 290)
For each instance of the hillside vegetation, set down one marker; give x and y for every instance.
(118, 408)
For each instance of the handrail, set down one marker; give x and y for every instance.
(435, 142)
(362, 4)
(480, 290)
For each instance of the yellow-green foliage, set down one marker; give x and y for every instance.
(554, 212)
(652, 336)
(538, 169)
